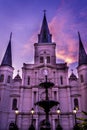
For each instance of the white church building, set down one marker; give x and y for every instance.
(23, 93)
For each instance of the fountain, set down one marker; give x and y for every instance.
(46, 104)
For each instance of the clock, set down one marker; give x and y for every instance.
(45, 72)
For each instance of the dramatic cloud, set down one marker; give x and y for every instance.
(24, 19)
(64, 27)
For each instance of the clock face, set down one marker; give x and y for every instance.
(45, 72)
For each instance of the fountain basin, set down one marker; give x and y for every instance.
(46, 85)
(47, 104)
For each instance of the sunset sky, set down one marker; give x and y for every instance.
(24, 19)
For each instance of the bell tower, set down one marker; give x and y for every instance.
(82, 73)
(6, 69)
(6, 74)
(45, 48)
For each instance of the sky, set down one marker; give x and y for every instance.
(24, 19)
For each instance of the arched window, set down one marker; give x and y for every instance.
(41, 59)
(81, 78)
(14, 104)
(1, 78)
(55, 95)
(35, 96)
(76, 104)
(61, 80)
(9, 79)
(48, 59)
(28, 80)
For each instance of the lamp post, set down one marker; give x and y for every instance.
(58, 126)
(76, 127)
(75, 111)
(58, 112)
(32, 112)
(16, 114)
(32, 126)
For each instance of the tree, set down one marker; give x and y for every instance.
(83, 124)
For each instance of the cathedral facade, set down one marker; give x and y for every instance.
(23, 93)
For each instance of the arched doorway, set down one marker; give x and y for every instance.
(45, 125)
(13, 126)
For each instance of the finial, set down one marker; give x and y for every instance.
(10, 36)
(72, 70)
(18, 71)
(78, 33)
(79, 36)
(44, 11)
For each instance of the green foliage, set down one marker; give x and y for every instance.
(83, 124)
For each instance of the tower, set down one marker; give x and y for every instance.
(45, 48)
(82, 73)
(6, 74)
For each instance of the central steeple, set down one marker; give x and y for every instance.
(45, 48)
(44, 36)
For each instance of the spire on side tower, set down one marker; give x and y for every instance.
(7, 59)
(82, 53)
(44, 36)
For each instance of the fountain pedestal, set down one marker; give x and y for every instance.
(46, 104)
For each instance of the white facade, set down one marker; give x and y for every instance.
(24, 93)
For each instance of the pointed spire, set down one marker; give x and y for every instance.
(44, 36)
(72, 76)
(7, 59)
(17, 77)
(82, 53)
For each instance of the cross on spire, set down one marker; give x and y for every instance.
(72, 70)
(18, 71)
(44, 11)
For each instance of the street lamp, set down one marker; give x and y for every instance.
(58, 126)
(16, 114)
(74, 112)
(76, 127)
(32, 112)
(32, 126)
(58, 112)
